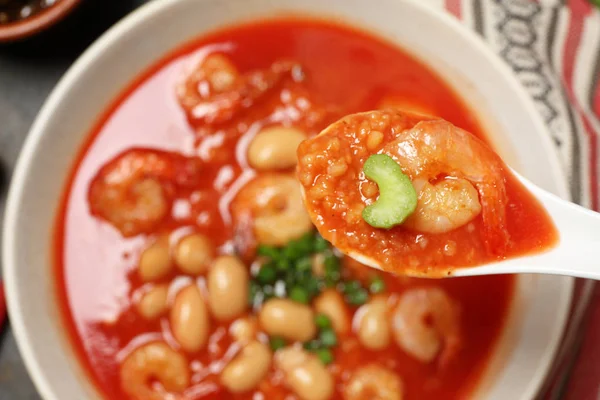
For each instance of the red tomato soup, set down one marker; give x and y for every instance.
(187, 264)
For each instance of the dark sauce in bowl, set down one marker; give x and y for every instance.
(18, 10)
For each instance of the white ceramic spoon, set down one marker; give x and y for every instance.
(577, 252)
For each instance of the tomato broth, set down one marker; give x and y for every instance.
(342, 71)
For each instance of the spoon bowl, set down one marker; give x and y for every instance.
(425, 147)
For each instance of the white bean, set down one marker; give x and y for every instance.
(193, 254)
(374, 330)
(248, 368)
(305, 374)
(153, 302)
(189, 319)
(228, 288)
(275, 148)
(331, 303)
(155, 261)
(288, 319)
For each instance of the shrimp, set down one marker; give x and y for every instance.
(426, 324)
(373, 382)
(216, 91)
(134, 191)
(273, 203)
(444, 206)
(154, 361)
(437, 148)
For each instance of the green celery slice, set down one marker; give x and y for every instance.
(397, 196)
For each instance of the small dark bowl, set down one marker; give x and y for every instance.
(37, 22)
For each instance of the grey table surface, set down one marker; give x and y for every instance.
(28, 72)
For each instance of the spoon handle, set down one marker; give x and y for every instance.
(576, 254)
(578, 250)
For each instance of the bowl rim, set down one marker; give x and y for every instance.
(29, 26)
(105, 41)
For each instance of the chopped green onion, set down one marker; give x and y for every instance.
(277, 343)
(299, 247)
(267, 274)
(328, 337)
(331, 262)
(351, 287)
(304, 264)
(301, 277)
(330, 282)
(355, 294)
(325, 355)
(283, 264)
(308, 242)
(312, 345)
(332, 268)
(320, 244)
(299, 294)
(377, 285)
(313, 286)
(358, 297)
(268, 251)
(322, 321)
(290, 270)
(397, 196)
(291, 251)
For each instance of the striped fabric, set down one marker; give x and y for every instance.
(553, 47)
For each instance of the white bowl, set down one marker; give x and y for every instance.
(539, 311)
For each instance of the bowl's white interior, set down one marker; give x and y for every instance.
(538, 316)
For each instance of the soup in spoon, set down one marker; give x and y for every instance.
(417, 195)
